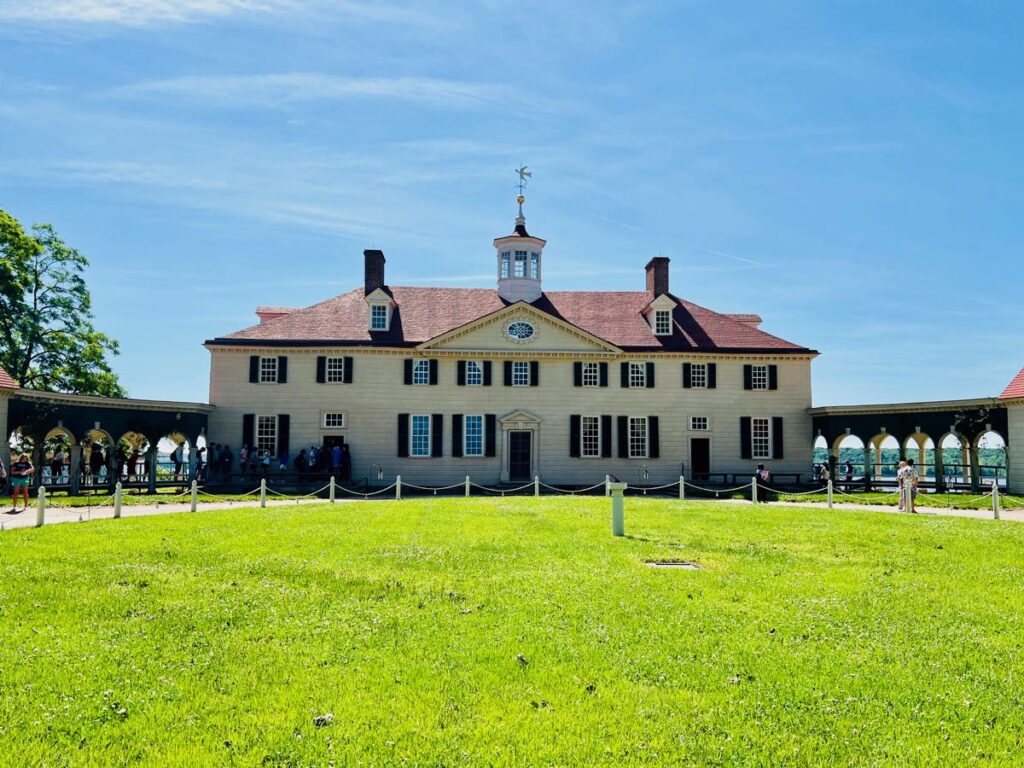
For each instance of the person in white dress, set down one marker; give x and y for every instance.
(908, 480)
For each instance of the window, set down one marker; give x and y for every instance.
(590, 436)
(506, 263)
(419, 439)
(759, 377)
(591, 374)
(637, 375)
(699, 423)
(520, 374)
(334, 370)
(520, 330)
(474, 373)
(473, 436)
(334, 420)
(638, 437)
(268, 370)
(662, 322)
(761, 438)
(520, 265)
(266, 433)
(699, 375)
(378, 317)
(421, 372)
(534, 265)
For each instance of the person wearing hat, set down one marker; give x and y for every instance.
(21, 477)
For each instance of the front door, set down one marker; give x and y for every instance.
(700, 458)
(519, 463)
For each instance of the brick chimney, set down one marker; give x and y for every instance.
(374, 271)
(657, 276)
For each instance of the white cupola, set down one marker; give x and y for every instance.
(519, 262)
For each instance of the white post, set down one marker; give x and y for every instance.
(995, 499)
(536, 485)
(263, 492)
(195, 495)
(753, 490)
(682, 488)
(332, 489)
(467, 485)
(398, 487)
(41, 507)
(117, 500)
(618, 522)
(830, 493)
(607, 485)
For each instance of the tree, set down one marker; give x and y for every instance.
(47, 337)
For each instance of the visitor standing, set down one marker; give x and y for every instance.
(282, 461)
(265, 462)
(96, 463)
(21, 477)
(3, 476)
(177, 458)
(336, 458)
(849, 471)
(57, 465)
(908, 485)
(763, 478)
(824, 474)
(346, 463)
(243, 458)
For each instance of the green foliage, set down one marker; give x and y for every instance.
(47, 337)
(512, 632)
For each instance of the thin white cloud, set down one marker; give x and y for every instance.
(123, 172)
(288, 88)
(132, 12)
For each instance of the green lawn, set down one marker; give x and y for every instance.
(932, 500)
(513, 632)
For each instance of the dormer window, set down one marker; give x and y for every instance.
(662, 322)
(378, 317)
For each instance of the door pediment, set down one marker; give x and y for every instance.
(519, 420)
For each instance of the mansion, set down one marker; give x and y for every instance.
(511, 382)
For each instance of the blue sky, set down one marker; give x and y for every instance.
(850, 171)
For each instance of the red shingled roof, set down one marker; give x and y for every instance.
(6, 381)
(1015, 388)
(423, 313)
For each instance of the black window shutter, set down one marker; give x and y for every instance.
(624, 374)
(321, 369)
(403, 435)
(748, 377)
(623, 437)
(437, 435)
(284, 423)
(777, 443)
(653, 441)
(712, 375)
(249, 429)
(604, 374)
(687, 374)
(746, 448)
(282, 369)
(487, 373)
(606, 436)
(534, 373)
(460, 377)
(773, 377)
(650, 375)
(348, 370)
(492, 424)
(457, 434)
(577, 374)
(433, 371)
(254, 369)
(508, 373)
(408, 371)
(574, 436)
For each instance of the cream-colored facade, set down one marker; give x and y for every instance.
(1015, 445)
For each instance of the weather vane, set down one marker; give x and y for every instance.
(523, 176)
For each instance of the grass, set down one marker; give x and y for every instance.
(513, 632)
(933, 500)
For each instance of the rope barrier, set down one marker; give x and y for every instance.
(502, 491)
(718, 490)
(431, 488)
(570, 491)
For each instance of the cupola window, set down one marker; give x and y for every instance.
(506, 263)
(520, 268)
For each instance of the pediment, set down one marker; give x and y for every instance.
(519, 417)
(664, 301)
(490, 333)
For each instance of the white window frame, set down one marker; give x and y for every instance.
(334, 370)
(591, 375)
(662, 328)
(269, 370)
(643, 440)
(696, 421)
(420, 372)
(520, 373)
(593, 434)
(384, 317)
(520, 264)
(266, 433)
(474, 373)
(534, 270)
(479, 451)
(764, 439)
(333, 420)
(505, 266)
(759, 377)
(426, 438)
(637, 376)
(698, 375)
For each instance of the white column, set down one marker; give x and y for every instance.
(618, 504)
